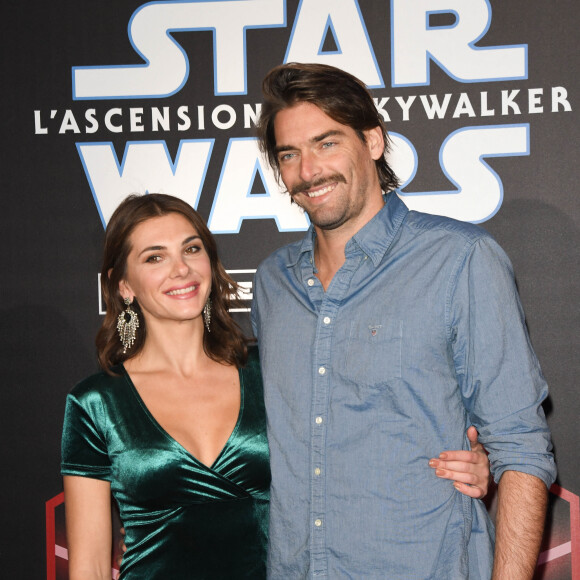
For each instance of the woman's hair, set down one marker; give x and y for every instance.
(335, 92)
(225, 343)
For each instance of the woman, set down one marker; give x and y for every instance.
(174, 426)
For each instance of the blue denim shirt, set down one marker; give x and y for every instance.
(419, 335)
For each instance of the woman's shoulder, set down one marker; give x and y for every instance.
(98, 384)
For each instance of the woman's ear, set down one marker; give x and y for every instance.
(125, 290)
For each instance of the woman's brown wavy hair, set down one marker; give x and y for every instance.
(225, 343)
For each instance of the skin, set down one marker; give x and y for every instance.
(331, 174)
(195, 400)
(329, 171)
(521, 512)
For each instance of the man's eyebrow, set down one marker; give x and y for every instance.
(316, 139)
(326, 135)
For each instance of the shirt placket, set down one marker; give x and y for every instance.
(328, 305)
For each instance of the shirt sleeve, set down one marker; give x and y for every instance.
(84, 450)
(498, 372)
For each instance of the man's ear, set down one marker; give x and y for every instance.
(375, 142)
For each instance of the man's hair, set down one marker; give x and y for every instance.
(335, 92)
(225, 343)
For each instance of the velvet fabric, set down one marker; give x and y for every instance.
(182, 518)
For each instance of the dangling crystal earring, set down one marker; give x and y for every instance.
(207, 313)
(127, 325)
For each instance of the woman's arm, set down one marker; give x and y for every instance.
(469, 470)
(88, 527)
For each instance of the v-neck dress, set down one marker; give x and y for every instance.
(182, 519)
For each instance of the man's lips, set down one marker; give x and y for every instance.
(321, 191)
(318, 188)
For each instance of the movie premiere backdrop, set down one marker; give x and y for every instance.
(102, 99)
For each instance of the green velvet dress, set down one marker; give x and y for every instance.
(183, 520)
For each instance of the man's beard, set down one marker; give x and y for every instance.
(316, 183)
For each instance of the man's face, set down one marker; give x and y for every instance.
(327, 168)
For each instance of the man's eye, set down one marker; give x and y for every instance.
(286, 156)
(328, 144)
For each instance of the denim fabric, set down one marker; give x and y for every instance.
(419, 335)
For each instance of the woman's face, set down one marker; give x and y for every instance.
(168, 270)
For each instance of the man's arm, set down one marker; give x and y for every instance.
(522, 502)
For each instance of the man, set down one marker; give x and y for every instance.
(383, 335)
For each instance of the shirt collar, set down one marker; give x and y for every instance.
(374, 238)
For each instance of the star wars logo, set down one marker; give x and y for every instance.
(423, 34)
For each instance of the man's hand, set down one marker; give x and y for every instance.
(469, 470)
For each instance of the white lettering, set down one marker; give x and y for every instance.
(159, 118)
(235, 202)
(93, 125)
(69, 123)
(560, 97)
(507, 102)
(183, 114)
(166, 67)
(135, 119)
(415, 44)
(115, 112)
(146, 168)
(223, 124)
(463, 107)
(405, 105)
(251, 114)
(435, 108)
(38, 128)
(479, 192)
(380, 105)
(485, 112)
(313, 20)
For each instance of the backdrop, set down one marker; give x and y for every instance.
(106, 98)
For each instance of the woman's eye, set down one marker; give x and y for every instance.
(192, 249)
(153, 259)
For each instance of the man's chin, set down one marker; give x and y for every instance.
(326, 223)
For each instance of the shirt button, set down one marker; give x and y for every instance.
(321, 371)
(310, 282)
(318, 522)
(318, 420)
(326, 320)
(317, 471)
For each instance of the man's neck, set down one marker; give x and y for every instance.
(330, 245)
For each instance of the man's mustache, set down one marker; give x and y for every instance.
(304, 185)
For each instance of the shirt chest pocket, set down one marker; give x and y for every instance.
(372, 352)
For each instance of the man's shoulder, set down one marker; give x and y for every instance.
(453, 230)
